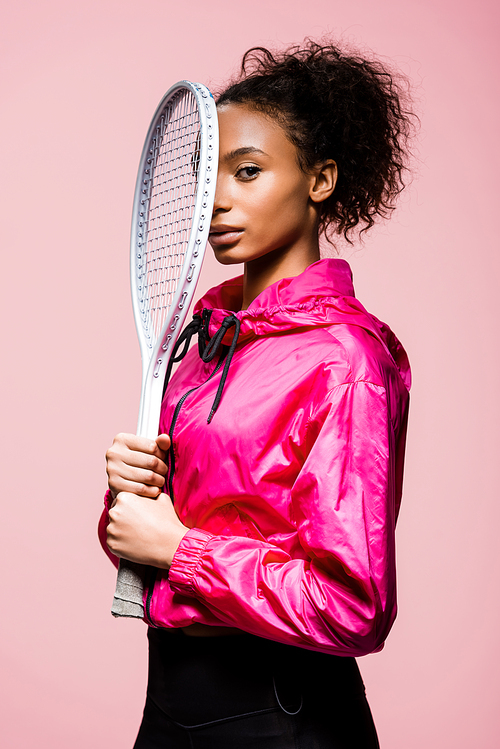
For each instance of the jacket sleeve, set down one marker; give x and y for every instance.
(339, 596)
(101, 529)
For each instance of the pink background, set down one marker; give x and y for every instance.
(80, 81)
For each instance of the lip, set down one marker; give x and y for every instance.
(224, 234)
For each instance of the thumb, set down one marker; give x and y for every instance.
(168, 507)
(163, 442)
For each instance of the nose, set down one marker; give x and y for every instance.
(222, 201)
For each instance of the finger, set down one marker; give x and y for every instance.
(143, 461)
(139, 444)
(126, 472)
(149, 476)
(135, 487)
(119, 454)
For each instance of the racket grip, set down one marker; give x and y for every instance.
(128, 592)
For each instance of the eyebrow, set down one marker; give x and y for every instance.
(245, 151)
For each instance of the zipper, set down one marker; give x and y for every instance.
(171, 460)
(171, 468)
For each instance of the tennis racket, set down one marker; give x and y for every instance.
(173, 203)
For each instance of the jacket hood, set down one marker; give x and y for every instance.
(320, 296)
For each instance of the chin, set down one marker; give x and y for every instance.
(227, 256)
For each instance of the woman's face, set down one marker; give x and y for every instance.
(263, 199)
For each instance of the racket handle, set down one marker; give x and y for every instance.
(128, 592)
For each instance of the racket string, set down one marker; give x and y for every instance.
(170, 184)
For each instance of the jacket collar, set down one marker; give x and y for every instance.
(318, 296)
(324, 278)
(322, 295)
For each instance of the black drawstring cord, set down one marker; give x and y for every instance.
(207, 350)
(227, 323)
(184, 338)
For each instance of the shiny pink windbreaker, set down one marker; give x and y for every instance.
(292, 490)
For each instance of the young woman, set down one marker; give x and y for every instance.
(277, 474)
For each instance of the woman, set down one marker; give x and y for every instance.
(282, 433)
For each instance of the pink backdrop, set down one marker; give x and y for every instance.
(81, 80)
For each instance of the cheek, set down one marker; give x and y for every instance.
(278, 202)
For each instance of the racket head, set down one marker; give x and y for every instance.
(172, 210)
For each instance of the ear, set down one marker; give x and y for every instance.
(325, 179)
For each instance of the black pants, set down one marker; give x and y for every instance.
(244, 692)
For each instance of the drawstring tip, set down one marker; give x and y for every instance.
(209, 354)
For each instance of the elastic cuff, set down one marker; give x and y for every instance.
(108, 500)
(187, 559)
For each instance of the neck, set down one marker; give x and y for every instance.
(266, 270)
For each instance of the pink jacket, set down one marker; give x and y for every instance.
(293, 488)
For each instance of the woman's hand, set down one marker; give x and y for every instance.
(137, 465)
(144, 530)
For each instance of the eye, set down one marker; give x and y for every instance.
(247, 173)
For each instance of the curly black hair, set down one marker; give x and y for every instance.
(340, 106)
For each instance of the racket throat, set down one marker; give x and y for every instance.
(153, 572)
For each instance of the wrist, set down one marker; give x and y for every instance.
(174, 544)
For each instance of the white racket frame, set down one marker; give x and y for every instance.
(155, 356)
